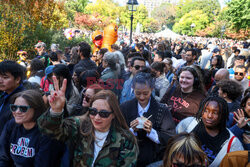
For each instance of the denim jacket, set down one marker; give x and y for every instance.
(127, 94)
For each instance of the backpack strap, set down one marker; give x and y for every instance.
(224, 150)
(192, 125)
(230, 144)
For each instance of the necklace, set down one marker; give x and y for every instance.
(96, 142)
(100, 138)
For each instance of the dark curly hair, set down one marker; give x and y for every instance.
(232, 88)
(223, 108)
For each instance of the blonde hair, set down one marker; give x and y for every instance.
(186, 145)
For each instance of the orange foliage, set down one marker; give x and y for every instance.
(242, 34)
(20, 16)
(91, 22)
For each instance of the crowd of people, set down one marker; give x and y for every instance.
(156, 102)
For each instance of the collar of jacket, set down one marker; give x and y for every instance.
(111, 136)
(18, 89)
(106, 70)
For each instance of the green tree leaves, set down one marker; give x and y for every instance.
(199, 12)
(238, 14)
(196, 17)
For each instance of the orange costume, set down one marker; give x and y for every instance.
(105, 39)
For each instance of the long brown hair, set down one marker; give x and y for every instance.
(118, 122)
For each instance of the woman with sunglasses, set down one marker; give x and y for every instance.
(102, 137)
(184, 150)
(89, 93)
(21, 142)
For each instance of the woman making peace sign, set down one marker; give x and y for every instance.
(101, 137)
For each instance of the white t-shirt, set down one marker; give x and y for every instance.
(100, 138)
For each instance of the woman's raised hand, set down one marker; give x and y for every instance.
(240, 118)
(57, 97)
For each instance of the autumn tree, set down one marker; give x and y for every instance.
(74, 6)
(24, 22)
(107, 11)
(91, 22)
(165, 14)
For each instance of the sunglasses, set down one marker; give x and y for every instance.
(183, 165)
(239, 73)
(86, 97)
(102, 113)
(137, 67)
(23, 109)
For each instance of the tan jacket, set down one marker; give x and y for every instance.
(236, 159)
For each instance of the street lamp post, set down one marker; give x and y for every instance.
(223, 29)
(192, 27)
(117, 21)
(132, 7)
(163, 27)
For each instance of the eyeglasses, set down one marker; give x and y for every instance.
(102, 113)
(183, 165)
(239, 73)
(137, 67)
(38, 47)
(23, 109)
(86, 97)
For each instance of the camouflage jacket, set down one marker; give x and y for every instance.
(118, 149)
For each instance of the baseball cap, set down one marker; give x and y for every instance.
(216, 50)
(122, 42)
(48, 71)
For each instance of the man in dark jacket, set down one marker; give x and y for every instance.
(11, 76)
(85, 61)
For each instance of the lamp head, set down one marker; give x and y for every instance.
(132, 5)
